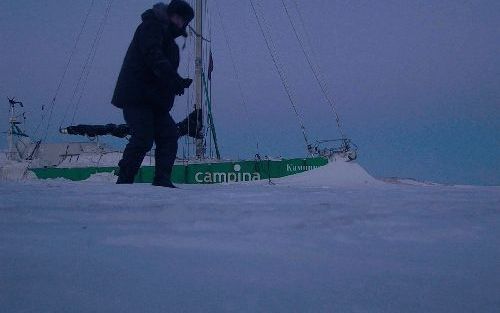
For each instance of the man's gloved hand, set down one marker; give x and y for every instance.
(182, 84)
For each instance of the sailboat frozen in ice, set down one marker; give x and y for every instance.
(79, 160)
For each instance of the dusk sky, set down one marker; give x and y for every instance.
(416, 83)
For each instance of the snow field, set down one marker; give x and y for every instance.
(308, 243)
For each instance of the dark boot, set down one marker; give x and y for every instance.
(166, 148)
(124, 180)
(140, 120)
(164, 158)
(125, 174)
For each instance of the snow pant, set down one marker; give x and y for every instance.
(148, 124)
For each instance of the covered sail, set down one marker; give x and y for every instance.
(120, 131)
(191, 126)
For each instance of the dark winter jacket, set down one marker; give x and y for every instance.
(149, 72)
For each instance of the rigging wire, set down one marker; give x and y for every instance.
(204, 62)
(235, 70)
(208, 53)
(303, 24)
(91, 58)
(279, 67)
(58, 89)
(186, 146)
(198, 35)
(187, 139)
(66, 68)
(191, 141)
(53, 103)
(315, 69)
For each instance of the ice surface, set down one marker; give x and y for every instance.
(306, 244)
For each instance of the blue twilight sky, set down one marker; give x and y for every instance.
(416, 83)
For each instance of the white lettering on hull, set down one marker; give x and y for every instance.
(300, 168)
(228, 177)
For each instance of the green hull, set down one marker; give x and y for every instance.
(199, 173)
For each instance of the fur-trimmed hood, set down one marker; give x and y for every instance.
(161, 11)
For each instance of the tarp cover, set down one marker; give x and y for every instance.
(191, 126)
(120, 131)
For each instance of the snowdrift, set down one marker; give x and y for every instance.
(334, 174)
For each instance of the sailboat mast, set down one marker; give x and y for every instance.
(200, 153)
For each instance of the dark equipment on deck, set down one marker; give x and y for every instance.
(191, 126)
(120, 131)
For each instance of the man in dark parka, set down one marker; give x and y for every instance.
(146, 89)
